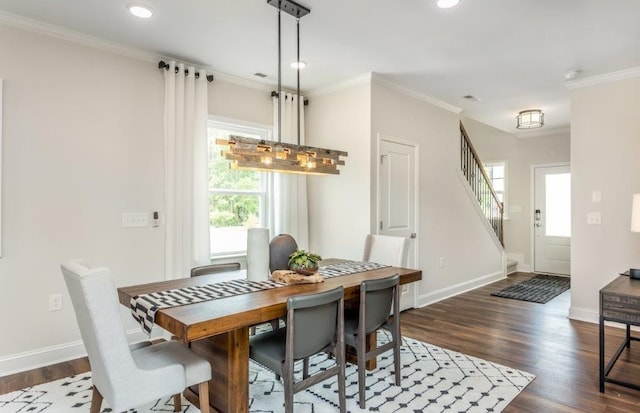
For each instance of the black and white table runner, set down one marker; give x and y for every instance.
(145, 306)
(348, 267)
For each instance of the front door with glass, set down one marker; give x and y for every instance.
(552, 219)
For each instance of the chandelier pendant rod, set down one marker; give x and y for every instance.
(279, 80)
(298, 72)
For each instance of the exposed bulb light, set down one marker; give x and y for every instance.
(140, 10)
(299, 64)
(445, 4)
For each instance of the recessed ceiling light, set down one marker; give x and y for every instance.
(299, 65)
(445, 4)
(140, 10)
(571, 74)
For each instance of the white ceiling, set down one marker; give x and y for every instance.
(511, 54)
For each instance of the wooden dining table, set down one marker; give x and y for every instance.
(218, 330)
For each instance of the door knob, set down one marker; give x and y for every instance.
(413, 235)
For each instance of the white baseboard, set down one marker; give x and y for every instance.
(519, 258)
(16, 363)
(523, 268)
(439, 295)
(584, 314)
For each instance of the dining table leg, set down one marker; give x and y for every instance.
(228, 354)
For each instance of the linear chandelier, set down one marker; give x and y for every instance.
(265, 155)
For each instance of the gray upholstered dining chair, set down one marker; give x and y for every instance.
(280, 247)
(127, 377)
(314, 324)
(376, 299)
(215, 268)
(219, 268)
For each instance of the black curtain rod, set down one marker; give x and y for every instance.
(275, 94)
(163, 65)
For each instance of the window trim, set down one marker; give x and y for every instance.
(505, 193)
(265, 132)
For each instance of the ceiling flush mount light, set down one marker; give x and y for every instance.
(140, 10)
(445, 4)
(530, 119)
(263, 155)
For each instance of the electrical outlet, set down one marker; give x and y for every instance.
(594, 218)
(441, 262)
(55, 302)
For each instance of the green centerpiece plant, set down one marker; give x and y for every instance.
(304, 262)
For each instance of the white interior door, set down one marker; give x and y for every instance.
(552, 219)
(397, 201)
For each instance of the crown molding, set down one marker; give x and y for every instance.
(412, 93)
(241, 81)
(604, 78)
(359, 80)
(36, 26)
(543, 132)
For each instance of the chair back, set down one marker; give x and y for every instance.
(95, 302)
(313, 320)
(280, 248)
(386, 249)
(376, 297)
(215, 268)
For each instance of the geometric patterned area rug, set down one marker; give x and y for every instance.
(434, 379)
(539, 289)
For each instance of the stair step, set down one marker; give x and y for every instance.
(512, 266)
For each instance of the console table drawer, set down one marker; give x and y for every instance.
(621, 307)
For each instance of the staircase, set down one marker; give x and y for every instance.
(480, 185)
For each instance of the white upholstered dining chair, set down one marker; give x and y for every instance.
(127, 377)
(386, 249)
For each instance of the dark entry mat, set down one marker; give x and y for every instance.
(539, 289)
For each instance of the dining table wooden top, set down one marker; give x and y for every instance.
(205, 319)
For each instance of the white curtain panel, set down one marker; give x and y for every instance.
(290, 215)
(186, 191)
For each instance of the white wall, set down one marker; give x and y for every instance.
(339, 205)
(605, 143)
(449, 225)
(521, 154)
(83, 143)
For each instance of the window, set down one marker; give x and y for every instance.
(558, 205)
(237, 199)
(497, 173)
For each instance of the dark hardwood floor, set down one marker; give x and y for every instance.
(537, 338)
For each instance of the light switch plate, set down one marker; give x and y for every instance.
(135, 219)
(596, 196)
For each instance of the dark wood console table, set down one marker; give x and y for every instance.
(619, 302)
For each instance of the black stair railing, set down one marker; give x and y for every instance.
(480, 184)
